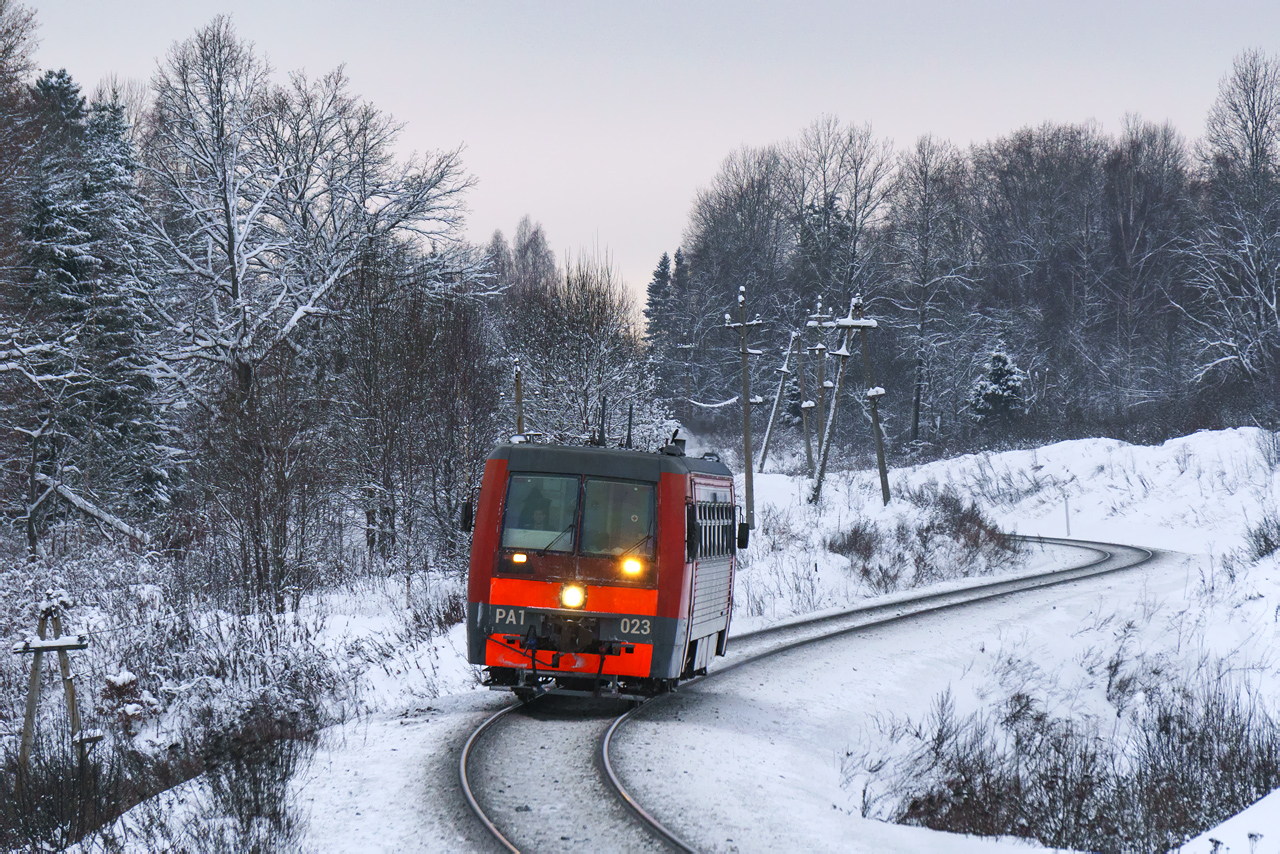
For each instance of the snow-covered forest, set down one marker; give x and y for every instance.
(1130, 278)
(250, 369)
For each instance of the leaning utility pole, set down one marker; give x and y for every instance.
(742, 325)
(785, 371)
(874, 393)
(846, 324)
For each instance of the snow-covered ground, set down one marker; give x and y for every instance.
(773, 739)
(780, 741)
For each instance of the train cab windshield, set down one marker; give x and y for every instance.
(617, 518)
(544, 513)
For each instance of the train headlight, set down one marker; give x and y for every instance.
(631, 566)
(573, 596)
(519, 558)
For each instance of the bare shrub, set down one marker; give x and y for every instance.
(861, 540)
(1268, 442)
(1263, 538)
(433, 610)
(952, 516)
(949, 538)
(251, 753)
(57, 799)
(1194, 756)
(777, 530)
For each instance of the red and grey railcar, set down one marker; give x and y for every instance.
(600, 570)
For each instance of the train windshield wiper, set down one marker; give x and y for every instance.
(542, 551)
(629, 549)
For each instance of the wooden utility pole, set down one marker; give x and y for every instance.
(805, 405)
(747, 454)
(50, 613)
(874, 393)
(785, 371)
(820, 321)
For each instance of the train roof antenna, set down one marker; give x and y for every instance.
(631, 411)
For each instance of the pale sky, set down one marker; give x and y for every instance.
(601, 119)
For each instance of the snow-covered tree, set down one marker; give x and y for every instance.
(1235, 253)
(997, 397)
(578, 344)
(838, 181)
(931, 256)
(91, 432)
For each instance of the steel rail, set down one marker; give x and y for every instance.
(466, 782)
(987, 584)
(984, 592)
(655, 826)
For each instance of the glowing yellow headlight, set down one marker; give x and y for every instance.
(572, 596)
(519, 558)
(631, 566)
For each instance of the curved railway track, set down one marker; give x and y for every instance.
(541, 785)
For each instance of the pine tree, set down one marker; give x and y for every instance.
(996, 397)
(658, 296)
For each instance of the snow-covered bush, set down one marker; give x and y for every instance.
(1195, 755)
(948, 538)
(1149, 724)
(806, 557)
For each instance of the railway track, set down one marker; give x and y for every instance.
(539, 776)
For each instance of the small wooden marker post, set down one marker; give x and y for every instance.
(50, 611)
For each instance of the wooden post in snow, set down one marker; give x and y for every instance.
(820, 321)
(50, 612)
(805, 405)
(519, 400)
(846, 325)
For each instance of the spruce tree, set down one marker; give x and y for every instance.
(996, 397)
(93, 427)
(118, 326)
(658, 296)
(659, 329)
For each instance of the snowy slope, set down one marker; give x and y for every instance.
(386, 781)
